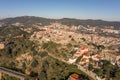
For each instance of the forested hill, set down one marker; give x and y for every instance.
(29, 20)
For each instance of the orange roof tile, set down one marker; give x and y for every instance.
(85, 54)
(74, 75)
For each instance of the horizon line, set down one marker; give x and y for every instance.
(2, 18)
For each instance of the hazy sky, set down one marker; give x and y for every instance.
(81, 9)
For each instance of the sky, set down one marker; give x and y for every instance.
(80, 9)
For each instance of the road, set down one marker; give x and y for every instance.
(89, 73)
(12, 73)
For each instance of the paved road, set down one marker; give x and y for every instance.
(12, 73)
(90, 73)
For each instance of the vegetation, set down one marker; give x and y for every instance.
(49, 45)
(83, 39)
(12, 31)
(54, 69)
(43, 54)
(72, 52)
(55, 49)
(78, 59)
(6, 77)
(98, 47)
(34, 63)
(16, 47)
(42, 65)
(108, 71)
(28, 20)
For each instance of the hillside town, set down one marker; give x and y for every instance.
(91, 50)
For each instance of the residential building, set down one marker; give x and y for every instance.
(2, 45)
(81, 51)
(75, 76)
(97, 57)
(72, 60)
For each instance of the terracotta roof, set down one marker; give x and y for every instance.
(74, 75)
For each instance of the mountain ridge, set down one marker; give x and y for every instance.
(29, 20)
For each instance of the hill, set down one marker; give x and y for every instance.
(30, 20)
(27, 20)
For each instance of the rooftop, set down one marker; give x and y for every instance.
(76, 76)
